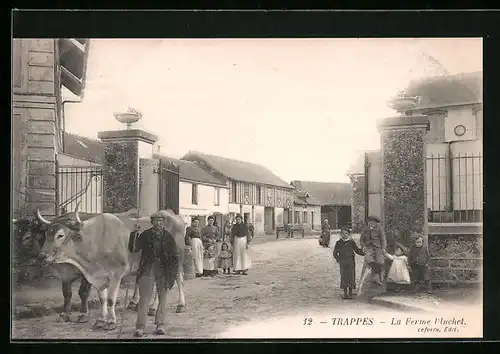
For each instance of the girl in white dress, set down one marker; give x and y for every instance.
(399, 273)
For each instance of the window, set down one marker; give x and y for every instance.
(297, 217)
(233, 192)
(216, 196)
(305, 217)
(194, 194)
(259, 200)
(246, 189)
(454, 184)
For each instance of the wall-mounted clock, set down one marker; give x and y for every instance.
(460, 130)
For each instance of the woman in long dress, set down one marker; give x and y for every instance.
(193, 238)
(240, 239)
(209, 237)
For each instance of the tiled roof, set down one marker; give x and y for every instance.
(302, 200)
(83, 148)
(238, 170)
(449, 90)
(191, 171)
(325, 192)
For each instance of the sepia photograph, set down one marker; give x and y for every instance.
(246, 188)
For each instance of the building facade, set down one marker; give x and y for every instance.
(40, 69)
(256, 193)
(334, 200)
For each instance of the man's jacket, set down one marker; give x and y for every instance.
(169, 254)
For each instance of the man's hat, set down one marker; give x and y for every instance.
(157, 215)
(195, 218)
(373, 218)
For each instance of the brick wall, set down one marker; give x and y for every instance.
(457, 254)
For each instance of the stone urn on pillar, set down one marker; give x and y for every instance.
(129, 117)
(402, 103)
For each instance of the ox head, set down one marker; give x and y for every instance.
(61, 235)
(29, 236)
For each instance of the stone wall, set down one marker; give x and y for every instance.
(358, 203)
(456, 258)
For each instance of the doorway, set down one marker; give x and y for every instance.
(269, 220)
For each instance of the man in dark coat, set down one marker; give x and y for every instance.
(373, 243)
(159, 265)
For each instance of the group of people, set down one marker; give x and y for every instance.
(406, 266)
(212, 251)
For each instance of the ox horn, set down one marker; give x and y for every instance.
(77, 216)
(41, 218)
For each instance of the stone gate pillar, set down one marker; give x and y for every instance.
(404, 202)
(122, 153)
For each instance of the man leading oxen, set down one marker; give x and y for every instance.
(175, 226)
(159, 265)
(69, 272)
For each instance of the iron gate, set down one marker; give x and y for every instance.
(82, 186)
(169, 186)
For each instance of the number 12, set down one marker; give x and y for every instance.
(307, 321)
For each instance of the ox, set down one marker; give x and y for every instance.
(93, 248)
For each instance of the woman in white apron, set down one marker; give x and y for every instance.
(240, 239)
(193, 238)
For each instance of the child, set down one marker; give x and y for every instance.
(399, 271)
(344, 254)
(225, 258)
(419, 259)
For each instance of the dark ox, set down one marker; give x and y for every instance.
(93, 248)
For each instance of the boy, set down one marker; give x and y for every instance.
(344, 251)
(419, 259)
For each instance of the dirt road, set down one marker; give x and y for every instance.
(291, 280)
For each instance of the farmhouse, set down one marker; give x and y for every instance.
(334, 199)
(255, 192)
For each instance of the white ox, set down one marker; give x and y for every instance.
(96, 246)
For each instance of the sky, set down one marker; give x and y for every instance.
(304, 108)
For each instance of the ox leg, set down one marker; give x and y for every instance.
(181, 306)
(84, 293)
(103, 298)
(67, 295)
(113, 289)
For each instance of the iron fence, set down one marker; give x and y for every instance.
(169, 186)
(455, 188)
(82, 186)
